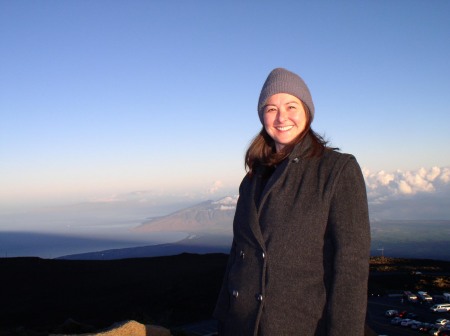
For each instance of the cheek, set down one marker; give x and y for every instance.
(267, 120)
(300, 119)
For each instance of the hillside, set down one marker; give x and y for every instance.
(40, 295)
(210, 216)
(394, 275)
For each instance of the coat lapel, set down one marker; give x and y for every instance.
(278, 175)
(259, 197)
(276, 178)
(254, 211)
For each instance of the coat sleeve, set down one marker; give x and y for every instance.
(350, 229)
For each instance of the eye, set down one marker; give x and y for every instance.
(292, 107)
(270, 109)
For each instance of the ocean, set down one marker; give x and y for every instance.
(52, 245)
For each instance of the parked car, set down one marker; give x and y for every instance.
(396, 320)
(402, 313)
(416, 325)
(411, 322)
(411, 297)
(441, 322)
(391, 313)
(440, 308)
(424, 296)
(406, 322)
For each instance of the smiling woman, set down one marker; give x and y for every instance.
(301, 228)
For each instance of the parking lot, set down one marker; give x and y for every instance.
(381, 324)
(377, 320)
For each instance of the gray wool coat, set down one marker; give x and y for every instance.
(299, 261)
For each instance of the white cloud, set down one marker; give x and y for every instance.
(435, 172)
(422, 193)
(404, 188)
(382, 184)
(445, 175)
(384, 178)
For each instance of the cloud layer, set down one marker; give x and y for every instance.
(421, 194)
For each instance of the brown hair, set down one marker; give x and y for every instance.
(262, 148)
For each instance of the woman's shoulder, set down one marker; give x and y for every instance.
(335, 162)
(334, 156)
(246, 181)
(343, 164)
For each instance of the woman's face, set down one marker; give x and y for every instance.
(284, 118)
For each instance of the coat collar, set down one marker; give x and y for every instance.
(302, 148)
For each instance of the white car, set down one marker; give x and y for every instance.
(440, 322)
(391, 313)
(440, 308)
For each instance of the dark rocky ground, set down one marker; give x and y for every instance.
(38, 296)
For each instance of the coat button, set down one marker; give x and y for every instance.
(235, 293)
(242, 254)
(263, 255)
(259, 297)
(296, 160)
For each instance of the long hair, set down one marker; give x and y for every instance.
(262, 148)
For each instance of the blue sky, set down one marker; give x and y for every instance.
(108, 97)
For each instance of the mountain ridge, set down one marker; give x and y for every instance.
(210, 216)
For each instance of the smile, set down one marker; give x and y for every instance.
(284, 128)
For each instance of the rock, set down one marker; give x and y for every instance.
(127, 328)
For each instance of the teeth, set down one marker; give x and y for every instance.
(284, 128)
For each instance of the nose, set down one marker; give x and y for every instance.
(282, 114)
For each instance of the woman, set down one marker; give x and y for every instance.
(300, 254)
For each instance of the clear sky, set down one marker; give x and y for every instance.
(106, 97)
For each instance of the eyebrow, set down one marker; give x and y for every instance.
(290, 102)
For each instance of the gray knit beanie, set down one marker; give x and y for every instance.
(283, 81)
